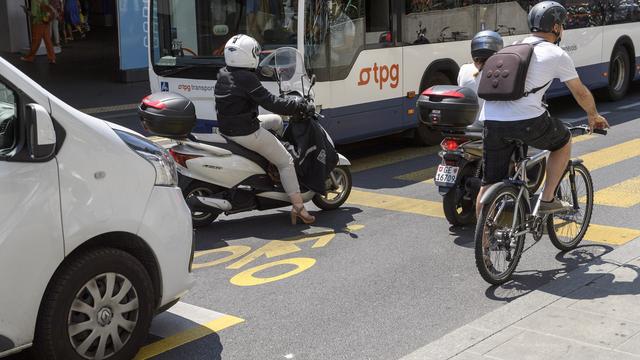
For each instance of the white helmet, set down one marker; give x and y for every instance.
(242, 51)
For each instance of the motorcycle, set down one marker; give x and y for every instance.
(219, 176)
(453, 110)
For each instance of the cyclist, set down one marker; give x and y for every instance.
(527, 119)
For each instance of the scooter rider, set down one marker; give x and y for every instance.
(527, 118)
(238, 94)
(483, 45)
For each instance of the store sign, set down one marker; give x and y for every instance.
(133, 31)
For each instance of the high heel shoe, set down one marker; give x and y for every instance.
(299, 212)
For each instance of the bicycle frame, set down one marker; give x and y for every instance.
(520, 179)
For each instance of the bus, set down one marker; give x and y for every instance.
(373, 58)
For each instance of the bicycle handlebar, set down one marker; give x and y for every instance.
(585, 129)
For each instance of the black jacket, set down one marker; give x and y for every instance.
(314, 155)
(238, 94)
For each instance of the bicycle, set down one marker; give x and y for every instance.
(507, 216)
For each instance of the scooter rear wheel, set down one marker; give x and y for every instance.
(199, 188)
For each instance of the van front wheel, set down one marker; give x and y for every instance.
(98, 305)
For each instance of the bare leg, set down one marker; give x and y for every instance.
(558, 161)
(480, 194)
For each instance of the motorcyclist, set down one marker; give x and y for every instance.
(238, 94)
(483, 45)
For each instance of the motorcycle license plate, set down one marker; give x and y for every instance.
(446, 175)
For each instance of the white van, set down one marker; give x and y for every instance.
(95, 237)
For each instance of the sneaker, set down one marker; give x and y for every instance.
(553, 207)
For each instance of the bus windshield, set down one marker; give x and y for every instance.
(193, 33)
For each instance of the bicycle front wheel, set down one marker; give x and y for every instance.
(497, 251)
(566, 229)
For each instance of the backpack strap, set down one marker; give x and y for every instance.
(535, 90)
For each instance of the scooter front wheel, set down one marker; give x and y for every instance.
(338, 189)
(199, 188)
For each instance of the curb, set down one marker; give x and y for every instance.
(489, 327)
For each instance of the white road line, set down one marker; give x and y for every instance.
(182, 317)
(629, 106)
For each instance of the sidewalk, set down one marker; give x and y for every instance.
(84, 76)
(591, 313)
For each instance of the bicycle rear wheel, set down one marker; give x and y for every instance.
(567, 229)
(497, 253)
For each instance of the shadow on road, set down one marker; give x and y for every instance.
(270, 227)
(526, 281)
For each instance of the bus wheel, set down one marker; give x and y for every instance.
(425, 135)
(619, 70)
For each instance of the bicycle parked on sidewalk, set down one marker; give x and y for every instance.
(507, 215)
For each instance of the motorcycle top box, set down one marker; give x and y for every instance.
(167, 114)
(448, 107)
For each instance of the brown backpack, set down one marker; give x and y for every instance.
(504, 74)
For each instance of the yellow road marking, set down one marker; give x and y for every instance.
(596, 233)
(396, 203)
(185, 337)
(424, 175)
(610, 234)
(388, 158)
(581, 138)
(611, 155)
(625, 194)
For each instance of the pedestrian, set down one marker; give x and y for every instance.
(41, 17)
(58, 19)
(72, 18)
(523, 116)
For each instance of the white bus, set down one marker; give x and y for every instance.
(372, 58)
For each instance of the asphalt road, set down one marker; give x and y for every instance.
(379, 280)
(396, 281)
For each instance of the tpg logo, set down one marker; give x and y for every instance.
(381, 75)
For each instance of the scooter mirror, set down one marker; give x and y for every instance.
(267, 71)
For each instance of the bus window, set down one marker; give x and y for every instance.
(512, 17)
(334, 36)
(379, 31)
(434, 21)
(188, 33)
(620, 11)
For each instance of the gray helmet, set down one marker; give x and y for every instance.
(485, 44)
(544, 15)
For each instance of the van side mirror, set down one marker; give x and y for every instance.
(41, 135)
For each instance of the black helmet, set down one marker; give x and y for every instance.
(485, 44)
(544, 15)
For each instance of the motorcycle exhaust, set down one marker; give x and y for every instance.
(203, 203)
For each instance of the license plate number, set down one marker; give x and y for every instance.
(446, 174)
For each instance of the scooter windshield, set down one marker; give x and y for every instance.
(288, 64)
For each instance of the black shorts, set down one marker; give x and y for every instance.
(544, 132)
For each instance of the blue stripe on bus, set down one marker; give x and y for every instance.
(368, 120)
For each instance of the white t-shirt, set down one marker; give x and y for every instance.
(548, 62)
(470, 77)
